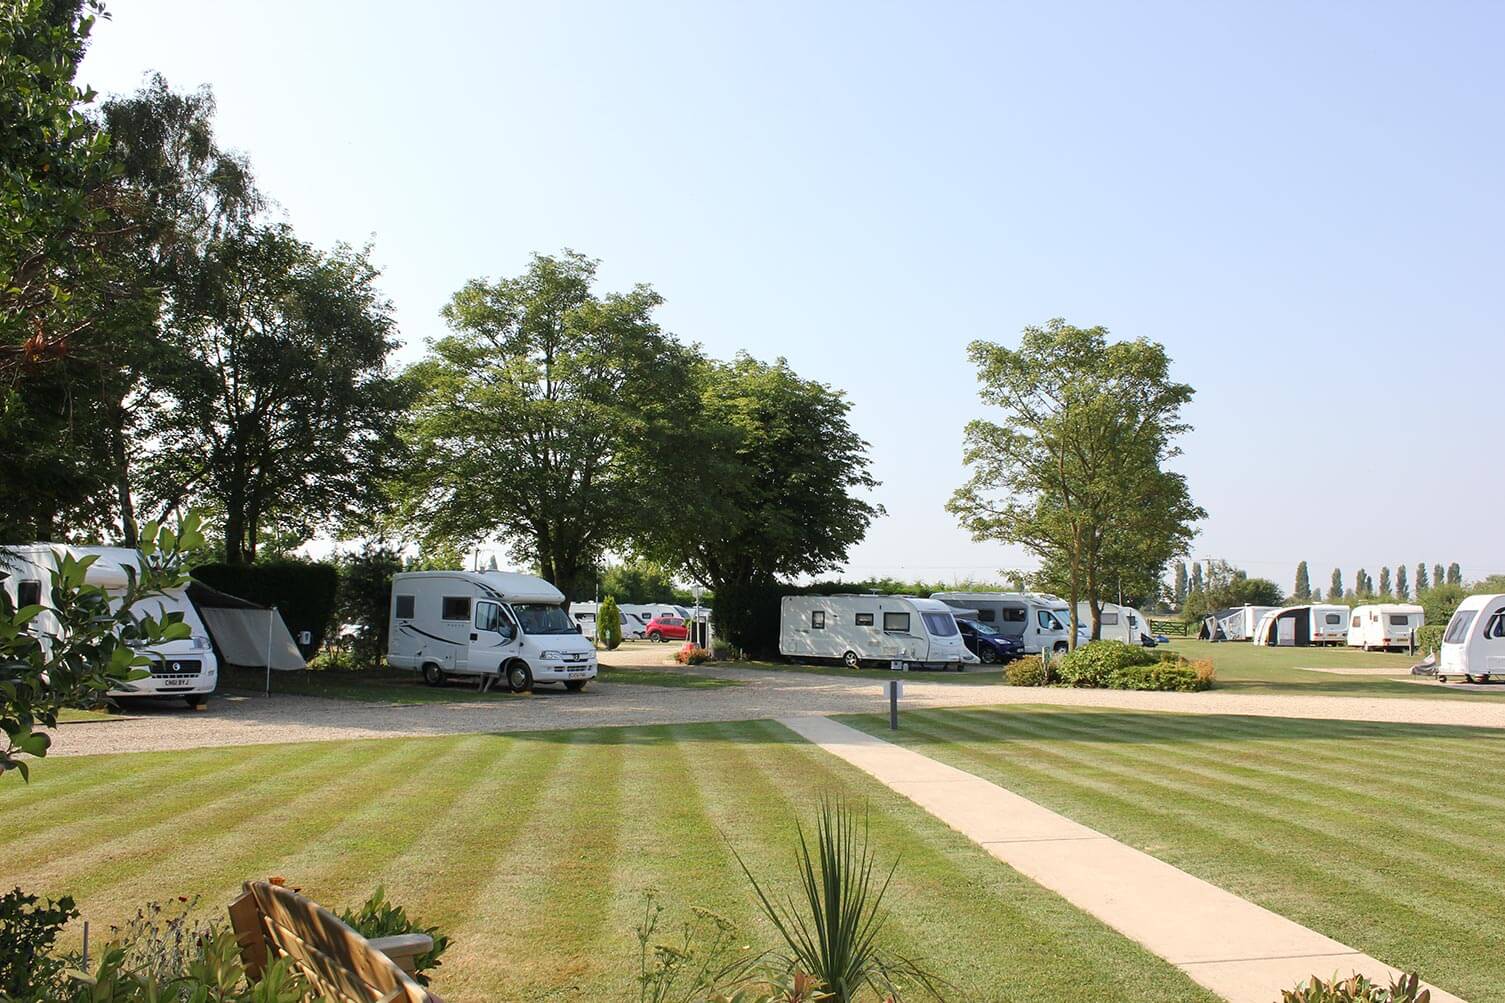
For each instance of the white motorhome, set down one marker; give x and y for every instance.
(1041, 622)
(587, 613)
(1119, 623)
(1473, 646)
(488, 624)
(185, 668)
(858, 629)
(1383, 625)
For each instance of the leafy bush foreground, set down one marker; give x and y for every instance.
(1358, 989)
(1114, 665)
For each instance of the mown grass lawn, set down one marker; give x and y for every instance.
(1383, 836)
(532, 851)
(400, 686)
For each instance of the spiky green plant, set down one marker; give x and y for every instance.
(832, 929)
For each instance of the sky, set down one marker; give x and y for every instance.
(1302, 202)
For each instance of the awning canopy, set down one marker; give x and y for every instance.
(244, 633)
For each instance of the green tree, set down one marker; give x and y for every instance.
(1074, 471)
(609, 624)
(1316, 593)
(1303, 590)
(1197, 582)
(779, 472)
(1402, 587)
(1385, 581)
(1439, 576)
(1439, 602)
(282, 413)
(1455, 574)
(364, 599)
(1335, 586)
(549, 417)
(638, 581)
(1361, 584)
(1421, 578)
(1181, 585)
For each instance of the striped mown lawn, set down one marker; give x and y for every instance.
(532, 851)
(1382, 836)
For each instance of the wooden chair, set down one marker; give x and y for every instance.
(272, 921)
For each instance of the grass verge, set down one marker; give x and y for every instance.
(532, 852)
(1380, 835)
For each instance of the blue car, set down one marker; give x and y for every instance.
(990, 646)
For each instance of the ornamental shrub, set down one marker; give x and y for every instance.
(692, 654)
(1092, 664)
(1160, 676)
(1358, 989)
(1429, 638)
(608, 624)
(1026, 671)
(377, 917)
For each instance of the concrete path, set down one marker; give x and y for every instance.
(1239, 950)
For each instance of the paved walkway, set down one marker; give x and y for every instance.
(1239, 950)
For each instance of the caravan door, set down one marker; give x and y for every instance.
(1285, 632)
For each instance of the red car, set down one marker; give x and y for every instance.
(666, 628)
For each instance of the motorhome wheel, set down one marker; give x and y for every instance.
(519, 677)
(851, 661)
(1441, 678)
(196, 700)
(576, 685)
(432, 674)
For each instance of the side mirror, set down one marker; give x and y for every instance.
(579, 629)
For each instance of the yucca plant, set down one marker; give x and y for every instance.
(832, 930)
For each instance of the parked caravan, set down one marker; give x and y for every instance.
(490, 624)
(1300, 626)
(1237, 623)
(861, 629)
(1119, 623)
(185, 668)
(1329, 624)
(1383, 625)
(586, 613)
(636, 617)
(1041, 622)
(1473, 646)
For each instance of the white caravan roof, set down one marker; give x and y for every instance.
(510, 585)
(107, 571)
(1390, 607)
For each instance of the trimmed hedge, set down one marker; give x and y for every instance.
(1026, 671)
(1429, 638)
(303, 591)
(1116, 665)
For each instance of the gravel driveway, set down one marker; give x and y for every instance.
(257, 720)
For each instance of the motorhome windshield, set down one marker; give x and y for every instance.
(1458, 627)
(1048, 620)
(940, 624)
(542, 618)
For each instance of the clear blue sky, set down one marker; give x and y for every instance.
(1303, 202)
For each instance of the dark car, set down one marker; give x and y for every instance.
(990, 646)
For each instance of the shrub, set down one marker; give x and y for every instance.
(609, 624)
(364, 599)
(692, 654)
(1092, 664)
(1026, 671)
(723, 652)
(1358, 989)
(1160, 676)
(28, 928)
(747, 615)
(377, 917)
(1429, 638)
(303, 592)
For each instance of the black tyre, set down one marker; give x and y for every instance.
(519, 677)
(433, 675)
(197, 700)
(851, 661)
(1060, 648)
(988, 656)
(576, 685)
(655, 637)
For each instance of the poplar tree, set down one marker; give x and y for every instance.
(1335, 587)
(1303, 590)
(1197, 584)
(1421, 577)
(1402, 588)
(1455, 574)
(1385, 581)
(1181, 584)
(1438, 575)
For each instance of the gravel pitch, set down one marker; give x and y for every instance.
(257, 720)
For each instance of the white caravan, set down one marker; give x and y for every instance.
(185, 668)
(1383, 625)
(636, 617)
(1243, 623)
(858, 629)
(1329, 624)
(1119, 623)
(1473, 646)
(1041, 622)
(587, 613)
(489, 624)
(1303, 625)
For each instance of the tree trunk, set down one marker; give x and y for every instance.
(235, 526)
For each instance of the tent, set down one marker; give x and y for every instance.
(245, 633)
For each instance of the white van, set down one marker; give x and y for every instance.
(1119, 623)
(490, 624)
(185, 668)
(1383, 625)
(1473, 646)
(885, 630)
(1041, 622)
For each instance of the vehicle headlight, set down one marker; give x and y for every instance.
(553, 656)
(200, 642)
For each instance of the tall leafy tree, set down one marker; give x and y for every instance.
(1385, 581)
(1455, 574)
(550, 417)
(282, 413)
(1197, 582)
(1316, 593)
(637, 581)
(1335, 585)
(1402, 587)
(1439, 576)
(1181, 584)
(1303, 590)
(1074, 471)
(1421, 578)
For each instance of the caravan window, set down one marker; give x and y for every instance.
(1399, 620)
(1358, 622)
(585, 617)
(939, 624)
(897, 623)
(455, 608)
(1458, 628)
(28, 594)
(1109, 618)
(1014, 614)
(404, 610)
(864, 619)
(818, 619)
(1496, 625)
(1334, 619)
(985, 616)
